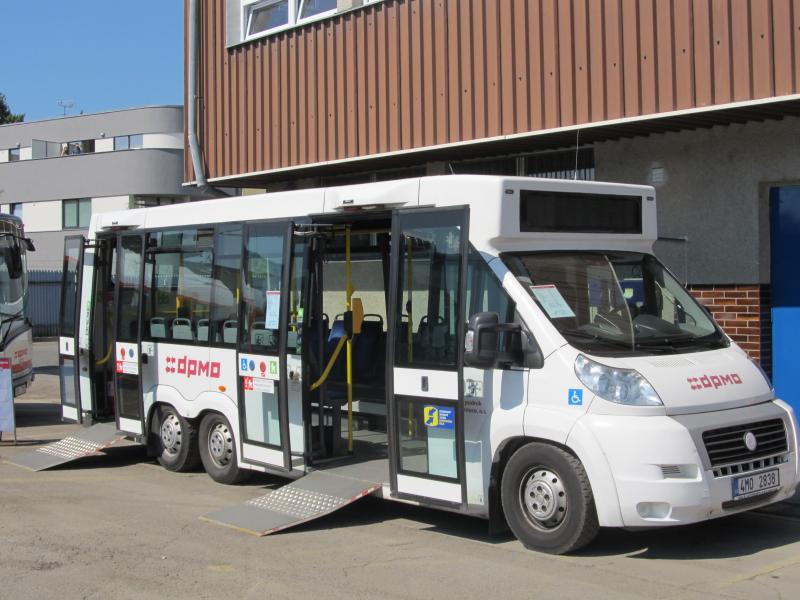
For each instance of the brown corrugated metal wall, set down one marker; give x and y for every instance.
(406, 74)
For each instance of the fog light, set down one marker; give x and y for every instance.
(653, 510)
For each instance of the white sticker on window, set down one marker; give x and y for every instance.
(552, 301)
(272, 320)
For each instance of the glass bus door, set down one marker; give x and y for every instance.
(425, 394)
(262, 344)
(67, 325)
(127, 341)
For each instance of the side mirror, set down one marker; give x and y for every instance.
(481, 340)
(29, 244)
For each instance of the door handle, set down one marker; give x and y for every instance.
(424, 383)
(144, 359)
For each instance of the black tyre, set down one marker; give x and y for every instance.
(547, 500)
(175, 440)
(218, 450)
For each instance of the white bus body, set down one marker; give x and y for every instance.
(603, 397)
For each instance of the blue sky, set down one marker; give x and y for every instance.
(101, 54)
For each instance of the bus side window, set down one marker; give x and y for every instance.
(178, 296)
(222, 326)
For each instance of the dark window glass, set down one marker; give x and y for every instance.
(485, 293)
(296, 308)
(427, 304)
(128, 390)
(268, 16)
(77, 213)
(69, 286)
(261, 294)
(16, 209)
(121, 142)
(178, 272)
(226, 287)
(130, 257)
(315, 7)
(545, 211)
(13, 154)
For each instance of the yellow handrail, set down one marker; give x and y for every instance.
(329, 366)
(105, 359)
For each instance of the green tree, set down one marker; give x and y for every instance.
(6, 116)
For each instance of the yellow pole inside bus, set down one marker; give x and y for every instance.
(349, 295)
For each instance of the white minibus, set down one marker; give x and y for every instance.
(503, 347)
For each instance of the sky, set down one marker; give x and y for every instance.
(100, 54)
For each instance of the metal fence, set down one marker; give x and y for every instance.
(44, 289)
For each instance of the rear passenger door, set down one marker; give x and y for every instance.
(425, 394)
(262, 344)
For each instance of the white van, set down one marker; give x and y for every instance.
(503, 347)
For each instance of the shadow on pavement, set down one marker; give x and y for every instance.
(46, 370)
(738, 535)
(734, 536)
(36, 414)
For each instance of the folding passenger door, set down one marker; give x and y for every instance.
(127, 344)
(424, 391)
(262, 344)
(71, 276)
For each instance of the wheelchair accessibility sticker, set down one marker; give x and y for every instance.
(575, 397)
(439, 417)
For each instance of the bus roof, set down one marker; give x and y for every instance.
(495, 203)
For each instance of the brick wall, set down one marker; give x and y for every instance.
(743, 311)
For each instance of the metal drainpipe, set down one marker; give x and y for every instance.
(194, 148)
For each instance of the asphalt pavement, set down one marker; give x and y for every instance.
(120, 526)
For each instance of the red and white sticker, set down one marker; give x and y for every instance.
(256, 384)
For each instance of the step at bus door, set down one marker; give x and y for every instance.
(262, 344)
(425, 390)
(71, 275)
(127, 340)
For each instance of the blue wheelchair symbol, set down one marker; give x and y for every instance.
(575, 397)
(244, 364)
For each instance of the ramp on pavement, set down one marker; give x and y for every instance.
(87, 442)
(314, 495)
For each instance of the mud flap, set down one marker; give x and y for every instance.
(315, 495)
(87, 442)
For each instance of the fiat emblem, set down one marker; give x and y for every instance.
(750, 441)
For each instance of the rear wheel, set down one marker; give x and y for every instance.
(176, 446)
(547, 499)
(218, 450)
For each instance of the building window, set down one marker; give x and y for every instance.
(260, 17)
(561, 164)
(16, 209)
(128, 142)
(149, 201)
(13, 154)
(77, 213)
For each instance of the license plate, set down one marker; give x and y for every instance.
(756, 483)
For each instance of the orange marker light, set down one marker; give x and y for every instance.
(221, 388)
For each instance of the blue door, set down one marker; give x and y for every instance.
(785, 273)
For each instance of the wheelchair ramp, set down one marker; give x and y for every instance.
(313, 496)
(86, 442)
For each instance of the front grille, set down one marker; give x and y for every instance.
(726, 445)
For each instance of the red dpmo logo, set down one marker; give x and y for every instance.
(191, 367)
(714, 381)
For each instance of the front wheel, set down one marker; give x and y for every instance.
(218, 450)
(547, 499)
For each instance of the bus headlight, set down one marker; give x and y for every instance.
(623, 386)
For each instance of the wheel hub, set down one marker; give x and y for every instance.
(171, 433)
(220, 444)
(544, 497)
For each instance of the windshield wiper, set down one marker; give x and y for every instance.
(628, 345)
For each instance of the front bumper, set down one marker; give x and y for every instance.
(663, 475)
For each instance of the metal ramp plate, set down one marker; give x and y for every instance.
(86, 442)
(317, 494)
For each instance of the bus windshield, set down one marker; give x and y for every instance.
(13, 278)
(615, 302)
